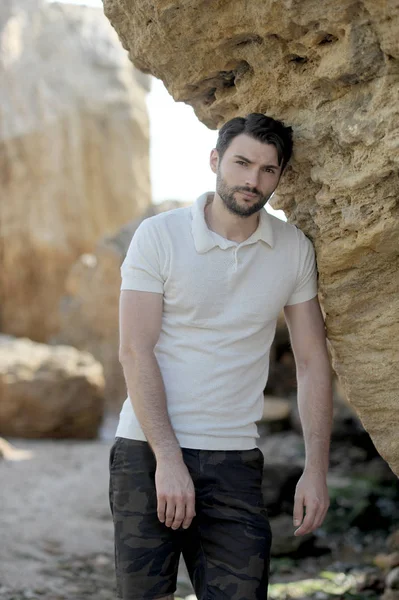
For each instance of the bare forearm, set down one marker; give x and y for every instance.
(147, 393)
(315, 409)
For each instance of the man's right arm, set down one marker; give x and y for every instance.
(140, 326)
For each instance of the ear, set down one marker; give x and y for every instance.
(214, 160)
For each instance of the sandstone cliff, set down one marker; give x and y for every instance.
(331, 70)
(74, 160)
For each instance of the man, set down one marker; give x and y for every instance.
(202, 288)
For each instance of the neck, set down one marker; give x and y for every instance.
(230, 226)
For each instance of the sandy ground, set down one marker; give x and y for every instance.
(54, 508)
(56, 533)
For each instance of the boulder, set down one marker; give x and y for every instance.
(74, 152)
(276, 414)
(284, 542)
(278, 487)
(281, 381)
(283, 447)
(9, 452)
(347, 427)
(357, 501)
(283, 465)
(393, 541)
(392, 585)
(331, 71)
(392, 579)
(387, 561)
(375, 469)
(390, 595)
(90, 307)
(48, 391)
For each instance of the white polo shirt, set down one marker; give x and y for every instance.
(221, 303)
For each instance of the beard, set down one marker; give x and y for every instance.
(226, 193)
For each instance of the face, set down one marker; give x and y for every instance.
(247, 175)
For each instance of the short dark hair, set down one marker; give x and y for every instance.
(264, 129)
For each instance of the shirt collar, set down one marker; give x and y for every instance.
(205, 239)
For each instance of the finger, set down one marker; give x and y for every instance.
(320, 517)
(180, 513)
(161, 508)
(190, 511)
(321, 513)
(308, 521)
(298, 510)
(317, 520)
(170, 512)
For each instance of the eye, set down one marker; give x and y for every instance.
(241, 162)
(267, 170)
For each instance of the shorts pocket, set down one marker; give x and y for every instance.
(133, 456)
(112, 453)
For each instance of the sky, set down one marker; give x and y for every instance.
(179, 146)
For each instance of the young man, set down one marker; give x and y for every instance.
(202, 288)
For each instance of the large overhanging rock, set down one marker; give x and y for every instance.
(74, 162)
(331, 70)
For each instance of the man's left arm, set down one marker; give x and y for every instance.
(308, 340)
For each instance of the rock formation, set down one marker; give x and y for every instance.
(74, 162)
(89, 310)
(331, 70)
(49, 391)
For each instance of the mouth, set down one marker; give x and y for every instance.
(248, 195)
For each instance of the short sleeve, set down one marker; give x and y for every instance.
(141, 268)
(306, 284)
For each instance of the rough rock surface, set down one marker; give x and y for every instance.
(74, 162)
(331, 70)
(49, 391)
(89, 310)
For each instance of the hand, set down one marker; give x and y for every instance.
(311, 493)
(175, 493)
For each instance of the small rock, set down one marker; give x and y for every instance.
(101, 560)
(372, 580)
(392, 579)
(387, 561)
(278, 486)
(276, 412)
(393, 541)
(284, 542)
(390, 595)
(10, 452)
(285, 447)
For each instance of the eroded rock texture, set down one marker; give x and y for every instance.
(331, 70)
(74, 160)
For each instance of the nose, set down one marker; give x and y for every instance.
(252, 178)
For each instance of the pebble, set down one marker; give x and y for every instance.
(392, 579)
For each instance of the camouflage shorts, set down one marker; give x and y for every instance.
(226, 548)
